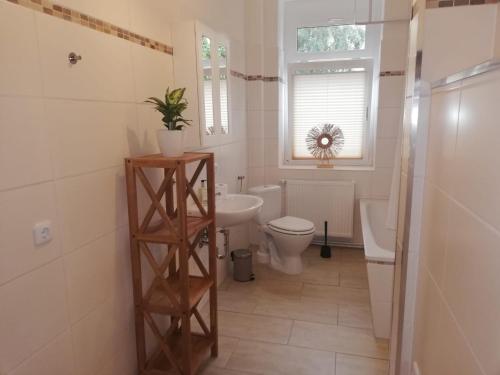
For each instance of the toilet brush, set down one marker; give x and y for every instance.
(326, 251)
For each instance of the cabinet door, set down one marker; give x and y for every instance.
(186, 75)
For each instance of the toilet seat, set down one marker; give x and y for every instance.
(292, 226)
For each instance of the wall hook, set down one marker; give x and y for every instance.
(73, 58)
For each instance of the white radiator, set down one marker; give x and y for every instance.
(320, 201)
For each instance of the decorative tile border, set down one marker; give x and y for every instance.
(47, 7)
(393, 73)
(258, 77)
(455, 3)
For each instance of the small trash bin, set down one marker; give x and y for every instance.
(242, 265)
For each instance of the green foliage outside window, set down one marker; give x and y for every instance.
(331, 38)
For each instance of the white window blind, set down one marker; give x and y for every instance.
(338, 98)
(209, 110)
(224, 114)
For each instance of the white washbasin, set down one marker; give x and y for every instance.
(236, 209)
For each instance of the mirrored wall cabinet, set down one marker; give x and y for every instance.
(201, 64)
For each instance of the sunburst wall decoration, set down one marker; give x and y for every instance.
(325, 143)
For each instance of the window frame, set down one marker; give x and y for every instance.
(366, 159)
(292, 58)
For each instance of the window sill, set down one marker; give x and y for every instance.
(335, 168)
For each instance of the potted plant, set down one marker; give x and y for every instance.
(170, 138)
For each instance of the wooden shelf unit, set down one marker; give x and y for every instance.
(174, 291)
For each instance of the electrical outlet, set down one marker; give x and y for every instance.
(416, 370)
(42, 232)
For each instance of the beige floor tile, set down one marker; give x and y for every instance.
(315, 272)
(355, 316)
(227, 345)
(354, 268)
(340, 339)
(254, 327)
(354, 365)
(314, 251)
(262, 358)
(321, 273)
(335, 294)
(267, 288)
(351, 255)
(236, 302)
(306, 309)
(352, 280)
(212, 370)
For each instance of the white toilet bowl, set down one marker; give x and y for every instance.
(285, 240)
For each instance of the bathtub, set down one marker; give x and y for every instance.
(379, 247)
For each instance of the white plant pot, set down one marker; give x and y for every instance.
(170, 142)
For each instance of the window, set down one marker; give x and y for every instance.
(329, 93)
(214, 88)
(330, 81)
(331, 38)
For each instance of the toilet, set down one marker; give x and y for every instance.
(283, 239)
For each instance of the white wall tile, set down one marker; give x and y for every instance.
(90, 206)
(467, 33)
(114, 11)
(271, 152)
(20, 73)
(254, 59)
(20, 210)
(255, 94)
(101, 335)
(271, 96)
(150, 20)
(256, 156)
(385, 153)
(98, 140)
(54, 359)
(34, 315)
(443, 128)
(24, 149)
(391, 91)
(144, 141)
(271, 119)
(96, 272)
(381, 182)
(477, 176)
(435, 227)
(256, 176)
(389, 122)
(394, 47)
(471, 279)
(396, 9)
(255, 126)
(104, 73)
(153, 72)
(271, 62)
(238, 93)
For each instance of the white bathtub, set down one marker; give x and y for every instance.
(380, 246)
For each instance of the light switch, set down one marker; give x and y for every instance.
(42, 232)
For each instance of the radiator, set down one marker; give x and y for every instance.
(320, 201)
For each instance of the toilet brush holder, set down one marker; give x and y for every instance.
(326, 251)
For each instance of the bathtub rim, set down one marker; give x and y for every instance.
(373, 252)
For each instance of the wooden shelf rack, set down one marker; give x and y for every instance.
(174, 291)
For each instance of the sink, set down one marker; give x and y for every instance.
(236, 209)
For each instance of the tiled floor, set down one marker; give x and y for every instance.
(316, 323)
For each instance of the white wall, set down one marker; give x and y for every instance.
(64, 131)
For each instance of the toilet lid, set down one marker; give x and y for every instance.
(292, 224)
